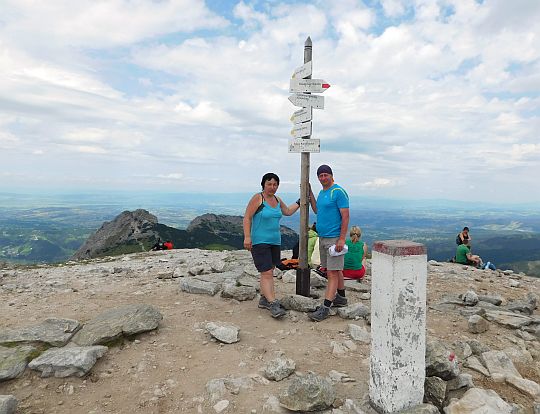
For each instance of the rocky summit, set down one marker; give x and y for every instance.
(136, 231)
(180, 331)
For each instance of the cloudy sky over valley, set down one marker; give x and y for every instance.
(428, 98)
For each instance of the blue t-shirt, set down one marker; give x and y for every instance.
(328, 215)
(265, 225)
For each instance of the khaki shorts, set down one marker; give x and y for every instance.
(327, 261)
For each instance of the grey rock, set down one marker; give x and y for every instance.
(279, 368)
(477, 324)
(497, 362)
(298, 303)
(359, 333)
(65, 362)
(434, 263)
(536, 408)
(8, 404)
(289, 276)
(251, 270)
(493, 299)
(470, 298)
(223, 332)
(474, 310)
(528, 387)
(317, 281)
(272, 405)
(461, 381)
(114, 323)
(435, 391)
(462, 349)
(477, 347)
(308, 393)
(474, 363)
(220, 278)
(477, 400)
(526, 306)
(526, 336)
(355, 310)
(508, 319)
(420, 409)
(52, 331)
(13, 361)
(240, 293)
(220, 406)
(349, 407)
(249, 281)
(180, 272)
(192, 285)
(440, 361)
(217, 387)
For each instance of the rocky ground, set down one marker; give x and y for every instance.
(180, 367)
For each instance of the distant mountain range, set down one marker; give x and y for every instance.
(135, 231)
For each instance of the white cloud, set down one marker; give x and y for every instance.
(142, 86)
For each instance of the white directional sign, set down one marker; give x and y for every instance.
(301, 130)
(303, 71)
(304, 145)
(308, 85)
(305, 101)
(302, 115)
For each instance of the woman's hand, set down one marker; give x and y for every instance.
(247, 243)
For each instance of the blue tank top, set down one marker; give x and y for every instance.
(265, 225)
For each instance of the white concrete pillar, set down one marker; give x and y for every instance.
(398, 325)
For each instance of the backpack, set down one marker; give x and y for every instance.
(288, 264)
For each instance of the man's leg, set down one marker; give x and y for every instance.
(333, 284)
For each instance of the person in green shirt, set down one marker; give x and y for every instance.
(464, 255)
(355, 258)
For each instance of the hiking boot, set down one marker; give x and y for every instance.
(277, 310)
(263, 303)
(321, 313)
(339, 301)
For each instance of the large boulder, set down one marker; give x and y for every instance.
(440, 361)
(114, 323)
(308, 393)
(477, 401)
(52, 331)
(67, 361)
(13, 361)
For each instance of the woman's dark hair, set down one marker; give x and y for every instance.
(267, 177)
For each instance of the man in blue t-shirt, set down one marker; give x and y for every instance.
(332, 209)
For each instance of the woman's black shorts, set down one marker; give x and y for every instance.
(266, 256)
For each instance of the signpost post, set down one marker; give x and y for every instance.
(302, 87)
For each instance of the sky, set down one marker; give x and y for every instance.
(428, 98)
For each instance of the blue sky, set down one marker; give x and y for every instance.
(429, 98)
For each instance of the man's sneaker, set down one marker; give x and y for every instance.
(339, 301)
(321, 313)
(277, 310)
(263, 303)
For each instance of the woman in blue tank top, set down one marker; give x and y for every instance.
(263, 238)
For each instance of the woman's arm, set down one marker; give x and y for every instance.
(288, 210)
(251, 208)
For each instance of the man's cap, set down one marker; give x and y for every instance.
(324, 169)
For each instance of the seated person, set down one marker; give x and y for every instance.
(355, 259)
(464, 255)
(463, 235)
(167, 245)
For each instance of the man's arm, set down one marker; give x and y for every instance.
(343, 230)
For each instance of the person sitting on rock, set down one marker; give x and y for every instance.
(464, 255)
(167, 245)
(355, 258)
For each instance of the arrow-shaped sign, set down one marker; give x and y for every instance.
(305, 101)
(304, 145)
(303, 71)
(302, 115)
(308, 85)
(301, 130)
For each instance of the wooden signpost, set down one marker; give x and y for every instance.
(302, 87)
